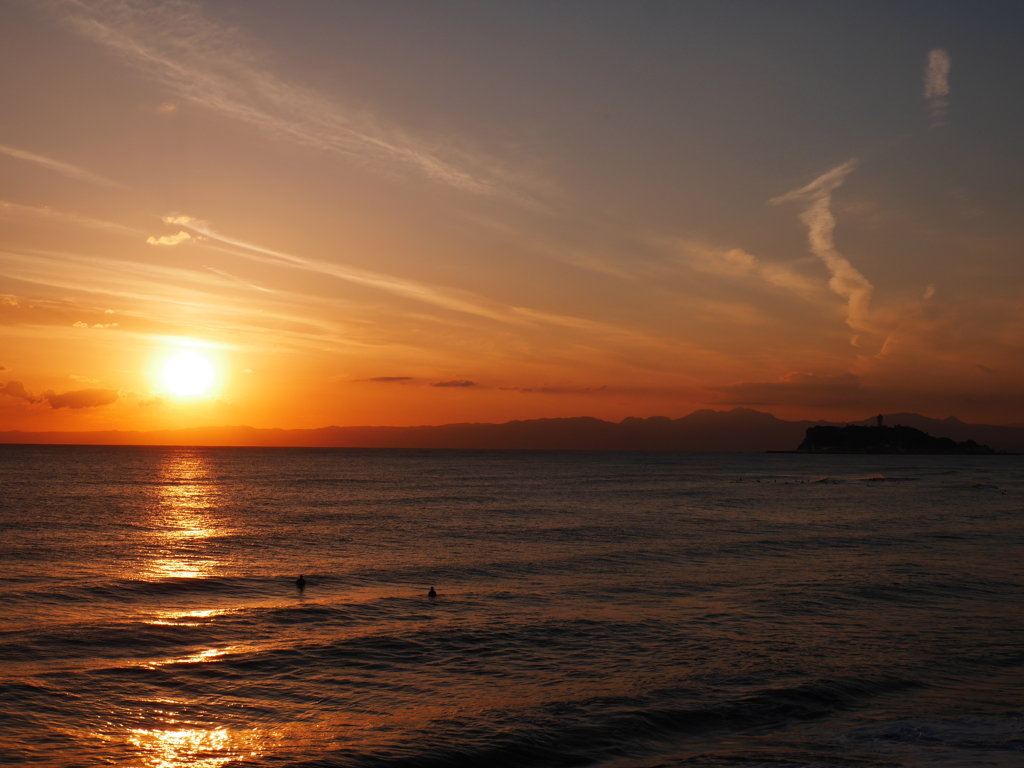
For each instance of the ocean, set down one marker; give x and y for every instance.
(593, 608)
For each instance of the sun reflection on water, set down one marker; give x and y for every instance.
(184, 520)
(186, 618)
(181, 530)
(193, 747)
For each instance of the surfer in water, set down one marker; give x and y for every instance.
(300, 582)
(431, 593)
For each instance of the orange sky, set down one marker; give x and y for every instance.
(393, 214)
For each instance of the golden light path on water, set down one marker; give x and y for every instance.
(194, 747)
(183, 520)
(177, 731)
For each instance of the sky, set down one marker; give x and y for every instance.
(400, 213)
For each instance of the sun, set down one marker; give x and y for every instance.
(188, 374)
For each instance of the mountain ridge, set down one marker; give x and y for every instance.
(706, 430)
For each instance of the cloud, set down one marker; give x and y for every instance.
(29, 211)
(239, 280)
(62, 313)
(936, 85)
(387, 379)
(3, 368)
(737, 263)
(72, 171)
(167, 108)
(846, 280)
(247, 370)
(214, 66)
(80, 324)
(17, 389)
(446, 298)
(800, 389)
(81, 398)
(459, 301)
(454, 383)
(83, 379)
(169, 239)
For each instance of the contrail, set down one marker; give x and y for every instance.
(936, 85)
(846, 280)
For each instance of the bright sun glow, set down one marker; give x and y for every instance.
(188, 374)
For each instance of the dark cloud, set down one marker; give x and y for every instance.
(81, 398)
(387, 379)
(454, 383)
(17, 389)
(2, 368)
(798, 389)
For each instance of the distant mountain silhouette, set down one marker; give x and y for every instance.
(737, 430)
(855, 438)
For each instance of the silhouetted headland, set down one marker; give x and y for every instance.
(881, 439)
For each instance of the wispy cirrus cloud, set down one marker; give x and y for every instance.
(8, 209)
(134, 281)
(445, 298)
(846, 280)
(246, 283)
(936, 85)
(411, 289)
(71, 171)
(736, 262)
(215, 67)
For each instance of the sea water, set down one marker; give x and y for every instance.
(593, 608)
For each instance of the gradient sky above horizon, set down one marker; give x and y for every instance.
(421, 213)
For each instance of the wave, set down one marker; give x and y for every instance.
(572, 734)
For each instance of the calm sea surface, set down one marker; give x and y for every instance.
(593, 609)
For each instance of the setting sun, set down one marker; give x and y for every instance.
(188, 373)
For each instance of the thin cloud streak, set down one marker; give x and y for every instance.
(239, 280)
(209, 65)
(469, 304)
(737, 263)
(29, 211)
(846, 280)
(936, 85)
(71, 171)
(396, 286)
(166, 297)
(110, 273)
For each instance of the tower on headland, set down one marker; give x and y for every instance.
(879, 419)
